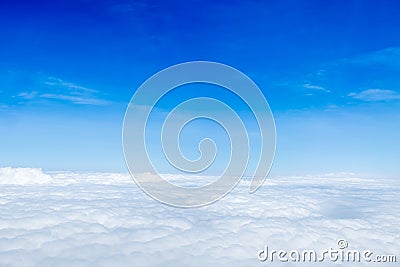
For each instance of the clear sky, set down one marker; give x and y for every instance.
(329, 70)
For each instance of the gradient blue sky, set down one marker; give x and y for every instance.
(329, 70)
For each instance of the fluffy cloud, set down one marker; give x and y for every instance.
(23, 176)
(103, 219)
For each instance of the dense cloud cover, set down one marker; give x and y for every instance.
(104, 219)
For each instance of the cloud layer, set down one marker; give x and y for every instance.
(103, 219)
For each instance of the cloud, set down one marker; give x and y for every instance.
(70, 92)
(372, 70)
(28, 95)
(53, 88)
(375, 95)
(29, 176)
(389, 56)
(23, 176)
(53, 81)
(76, 99)
(104, 219)
(316, 87)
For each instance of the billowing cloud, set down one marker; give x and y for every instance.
(104, 219)
(23, 176)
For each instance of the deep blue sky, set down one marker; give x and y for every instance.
(329, 70)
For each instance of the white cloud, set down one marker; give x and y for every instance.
(311, 86)
(315, 87)
(23, 176)
(53, 81)
(28, 95)
(71, 92)
(375, 95)
(84, 100)
(103, 219)
(58, 89)
(385, 57)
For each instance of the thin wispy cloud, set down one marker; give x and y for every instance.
(53, 88)
(75, 99)
(372, 70)
(28, 95)
(310, 86)
(314, 87)
(53, 81)
(389, 56)
(372, 95)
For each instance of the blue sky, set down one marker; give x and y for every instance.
(329, 71)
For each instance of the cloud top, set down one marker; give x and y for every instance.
(103, 219)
